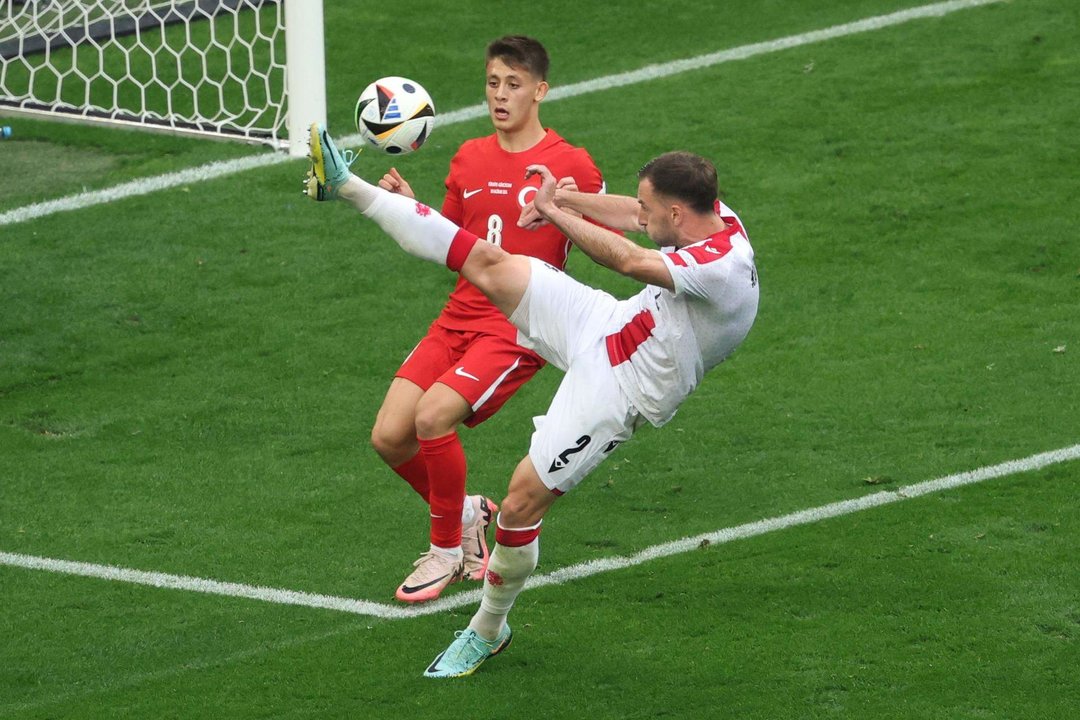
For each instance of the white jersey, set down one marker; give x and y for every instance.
(668, 340)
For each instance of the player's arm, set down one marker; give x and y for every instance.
(602, 245)
(618, 212)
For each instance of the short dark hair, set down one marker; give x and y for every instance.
(683, 176)
(520, 51)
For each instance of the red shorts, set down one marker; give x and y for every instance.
(484, 369)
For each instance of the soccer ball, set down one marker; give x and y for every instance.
(395, 114)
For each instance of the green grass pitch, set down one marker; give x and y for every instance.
(188, 379)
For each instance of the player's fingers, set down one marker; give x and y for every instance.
(541, 170)
(530, 218)
(388, 183)
(566, 183)
(403, 186)
(528, 215)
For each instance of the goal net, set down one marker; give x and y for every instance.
(209, 67)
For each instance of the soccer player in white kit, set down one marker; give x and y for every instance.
(626, 361)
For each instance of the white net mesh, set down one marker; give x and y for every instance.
(207, 66)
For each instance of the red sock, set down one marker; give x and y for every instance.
(414, 472)
(445, 460)
(516, 537)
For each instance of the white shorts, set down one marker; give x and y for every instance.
(566, 323)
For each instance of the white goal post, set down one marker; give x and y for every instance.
(251, 70)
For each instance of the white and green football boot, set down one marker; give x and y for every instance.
(466, 653)
(329, 166)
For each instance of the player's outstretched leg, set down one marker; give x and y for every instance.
(418, 229)
(466, 653)
(329, 166)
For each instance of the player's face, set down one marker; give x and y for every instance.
(513, 96)
(655, 215)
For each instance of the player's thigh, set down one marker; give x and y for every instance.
(437, 351)
(488, 373)
(559, 316)
(589, 417)
(395, 423)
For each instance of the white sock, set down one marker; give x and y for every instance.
(417, 228)
(359, 192)
(468, 512)
(513, 566)
(453, 553)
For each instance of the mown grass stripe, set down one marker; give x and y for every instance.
(557, 577)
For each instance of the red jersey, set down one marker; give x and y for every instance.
(485, 191)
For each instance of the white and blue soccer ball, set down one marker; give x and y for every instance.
(395, 114)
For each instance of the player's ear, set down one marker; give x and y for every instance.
(541, 90)
(675, 212)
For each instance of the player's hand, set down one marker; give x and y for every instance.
(544, 200)
(531, 219)
(393, 182)
(566, 183)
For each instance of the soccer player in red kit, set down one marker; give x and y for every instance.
(470, 362)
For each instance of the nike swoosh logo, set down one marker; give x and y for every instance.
(479, 555)
(469, 193)
(435, 662)
(461, 371)
(416, 588)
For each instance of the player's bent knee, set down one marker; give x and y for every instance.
(510, 274)
(527, 499)
(514, 513)
(436, 418)
(392, 447)
(502, 277)
(521, 510)
(434, 424)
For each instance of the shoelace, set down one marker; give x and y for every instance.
(473, 643)
(349, 157)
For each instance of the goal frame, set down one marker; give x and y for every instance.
(304, 93)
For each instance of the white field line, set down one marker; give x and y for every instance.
(558, 577)
(225, 168)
